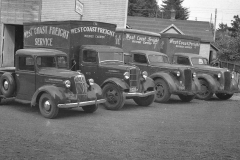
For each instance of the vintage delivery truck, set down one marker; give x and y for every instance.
(142, 48)
(184, 50)
(90, 49)
(41, 77)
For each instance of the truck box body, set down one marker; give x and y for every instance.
(174, 43)
(68, 36)
(132, 39)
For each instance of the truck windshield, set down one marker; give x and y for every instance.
(52, 62)
(158, 59)
(109, 56)
(199, 61)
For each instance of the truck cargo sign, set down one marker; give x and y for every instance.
(184, 44)
(137, 41)
(52, 36)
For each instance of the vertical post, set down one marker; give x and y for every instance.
(215, 25)
(40, 11)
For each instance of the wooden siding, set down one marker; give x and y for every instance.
(114, 11)
(19, 11)
(205, 50)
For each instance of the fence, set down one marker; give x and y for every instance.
(230, 66)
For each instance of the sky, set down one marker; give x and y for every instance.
(203, 10)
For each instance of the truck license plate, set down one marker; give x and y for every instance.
(133, 89)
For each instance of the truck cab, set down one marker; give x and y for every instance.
(219, 81)
(168, 78)
(41, 77)
(105, 64)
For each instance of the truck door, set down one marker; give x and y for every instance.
(141, 61)
(89, 64)
(25, 76)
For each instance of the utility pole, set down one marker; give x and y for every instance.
(215, 25)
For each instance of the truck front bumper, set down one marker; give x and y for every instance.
(81, 104)
(136, 94)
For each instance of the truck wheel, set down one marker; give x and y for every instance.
(206, 93)
(7, 85)
(144, 101)
(47, 106)
(163, 94)
(90, 108)
(114, 97)
(186, 98)
(223, 96)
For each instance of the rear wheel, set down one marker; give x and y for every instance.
(7, 84)
(144, 101)
(47, 106)
(163, 94)
(186, 98)
(90, 108)
(114, 97)
(224, 96)
(206, 93)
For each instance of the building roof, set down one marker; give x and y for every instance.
(200, 29)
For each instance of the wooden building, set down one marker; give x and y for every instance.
(13, 13)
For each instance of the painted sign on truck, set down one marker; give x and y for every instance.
(68, 36)
(174, 43)
(130, 39)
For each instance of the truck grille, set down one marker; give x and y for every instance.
(81, 88)
(227, 80)
(134, 78)
(188, 79)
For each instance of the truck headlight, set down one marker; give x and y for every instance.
(90, 81)
(144, 74)
(67, 84)
(177, 73)
(194, 74)
(126, 75)
(219, 75)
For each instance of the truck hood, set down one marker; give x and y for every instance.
(64, 73)
(209, 68)
(170, 66)
(111, 67)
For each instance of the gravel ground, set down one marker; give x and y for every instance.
(206, 130)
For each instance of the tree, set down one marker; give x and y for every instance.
(143, 8)
(235, 26)
(182, 13)
(228, 40)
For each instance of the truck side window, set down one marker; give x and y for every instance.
(140, 58)
(26, 63)
(89, 56)
(183, 60)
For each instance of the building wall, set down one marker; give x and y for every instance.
(16, 12)
(114, 11)
(205, 50)
(19, 11)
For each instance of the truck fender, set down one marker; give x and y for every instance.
(167, 78)
(56, 93)
(95, 92)
(117, 81)
(210, 81)
(149, 83)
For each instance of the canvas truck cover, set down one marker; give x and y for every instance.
(132, 39)
(68, 36)
(174, 43)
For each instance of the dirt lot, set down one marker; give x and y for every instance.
(195, 130)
